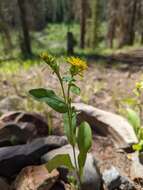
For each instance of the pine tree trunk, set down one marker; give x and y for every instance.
(82, 23)
(94, 35)
(26, 41)
(113, 7)
(127, 26)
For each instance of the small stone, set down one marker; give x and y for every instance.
(35, 178)
(136, 171)
(113, 179)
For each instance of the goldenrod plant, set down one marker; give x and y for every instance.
(79, 137)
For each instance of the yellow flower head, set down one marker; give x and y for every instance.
(47, 57)
(78, 64)
(50, 60)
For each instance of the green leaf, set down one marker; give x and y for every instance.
(50, 98)
(84, 138)
(140, 133)
(133, 119)
(138, 147)
(81, 161)
(68, 79)
(60, 160)
(70, 133)
(130, 101)
(75, 89)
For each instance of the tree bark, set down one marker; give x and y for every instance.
(113, 8)
(94, 35)
(26, 41)
(127, 26)
(83, 4)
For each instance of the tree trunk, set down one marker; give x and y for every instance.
(26, 41)
(128, 19)
(94, 35)
(132, 24)
(4, 28)
(113, 6)
(70, 43)
(83, 4)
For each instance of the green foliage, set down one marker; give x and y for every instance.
(50, 98)
(133, 119)
(70, 131)
(75, 89)
(82, 136)
(84, 140)
(60, 160)
(134, 114)
(139, 146)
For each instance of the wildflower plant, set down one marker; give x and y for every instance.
(133, 113)
(80, 136)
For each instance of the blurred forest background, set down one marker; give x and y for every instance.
(28, 27)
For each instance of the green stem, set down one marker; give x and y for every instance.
(76, 166)
(62, 86)
(73, 146)
(68, 101)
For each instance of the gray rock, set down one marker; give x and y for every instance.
(4, 184)
(136, 171)
(35, 178)
(12, 134)
(21, 127)
(107, 123)
(14, 158)
(11, 103)
(113, 179)
(91, 176)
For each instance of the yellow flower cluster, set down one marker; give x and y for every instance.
(44, 55)
(78, 63)
(49, 59)
(139, 85)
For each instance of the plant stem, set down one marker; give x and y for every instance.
(76, 166)
(62, 86)
(68, 101)
(73, 146)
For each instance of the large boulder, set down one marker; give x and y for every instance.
(91, 174)
(14, 158)
(21, 127)
(106, 123)
(35, 178)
